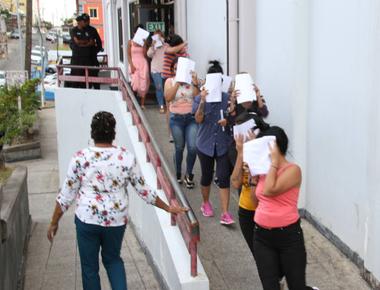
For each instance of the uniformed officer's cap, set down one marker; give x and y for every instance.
(85, 17)
(79, 18)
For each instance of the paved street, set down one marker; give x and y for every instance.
(61, 270)
(225, 255)
(12, 62)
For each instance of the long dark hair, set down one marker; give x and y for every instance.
(175, 40)
(260, 123)
(281, 138)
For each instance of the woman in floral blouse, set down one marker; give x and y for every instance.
(97, 181)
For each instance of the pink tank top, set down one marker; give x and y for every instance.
(183, 101)
(277, 211)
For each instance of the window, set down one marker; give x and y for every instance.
(94, 12)
(120, 32)
(80, 8)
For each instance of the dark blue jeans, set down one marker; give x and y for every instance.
(184, 130)
(90, 239)
(158, 83)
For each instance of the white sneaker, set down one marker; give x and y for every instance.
(315, 288)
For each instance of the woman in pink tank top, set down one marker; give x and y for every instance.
(278, 238)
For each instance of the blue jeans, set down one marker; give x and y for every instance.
(90, 239)
(158, 83)
(184, 130)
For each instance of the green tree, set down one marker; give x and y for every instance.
(48, 25)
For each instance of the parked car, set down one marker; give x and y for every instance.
(51, 68)
(50, 80)
(66, 38)
(2, 78)
(36, 57)
(51, 36)
(15, 34)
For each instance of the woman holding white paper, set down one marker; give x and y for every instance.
(139, 68)
(278, 238)
(213, 141)
(257, 106)
(182, 123)
(241, 178)
(156, 53)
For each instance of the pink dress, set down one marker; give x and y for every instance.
(140, 79)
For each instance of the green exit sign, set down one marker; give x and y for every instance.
(153, 26)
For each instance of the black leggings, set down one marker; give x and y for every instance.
(281, 248)
(247, 225)
(223, 169)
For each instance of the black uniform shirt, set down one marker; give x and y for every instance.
(80, 34)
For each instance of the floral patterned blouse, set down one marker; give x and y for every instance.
(97, 180)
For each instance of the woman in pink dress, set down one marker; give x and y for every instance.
(139, 68)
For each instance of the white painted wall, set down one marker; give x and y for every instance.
(343, 123)
(206, 33)
(282, 69)
(318, 64)
(74, 111)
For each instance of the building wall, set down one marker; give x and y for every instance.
(96, 22)
(206, 33)
(317, 62)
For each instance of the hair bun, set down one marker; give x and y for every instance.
(214, 62)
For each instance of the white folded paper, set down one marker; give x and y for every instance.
(244, 128)
(227, 80)
(214, 87)
(140, 36)
(256, 154)
(157, 39)
(185, 67)
(244, 83)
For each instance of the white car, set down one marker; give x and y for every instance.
(2, 78)
(51, 68)
(36, 57)
(50, 81)
(51, 36)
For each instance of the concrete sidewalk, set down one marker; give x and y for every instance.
(61, 269)
(223, 250)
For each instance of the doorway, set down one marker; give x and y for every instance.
(153, 15)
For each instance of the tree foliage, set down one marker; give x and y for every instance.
(14, 123)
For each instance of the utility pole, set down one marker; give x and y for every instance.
(42, 56)
(28, 41)
(20, 33)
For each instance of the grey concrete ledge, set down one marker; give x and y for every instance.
(21, 152)
(15, 222)
(26, 151)
(343, 247)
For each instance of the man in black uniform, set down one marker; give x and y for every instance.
(95, 49)
(82, 43)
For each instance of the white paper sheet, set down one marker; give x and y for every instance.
(140, 36)
(244, 128)
(256, 155)
(158, 41)
(244, 83)
(227, 80)
(214, 86)
(184, 68)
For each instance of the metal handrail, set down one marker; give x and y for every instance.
(191, 223)
(164, 164)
